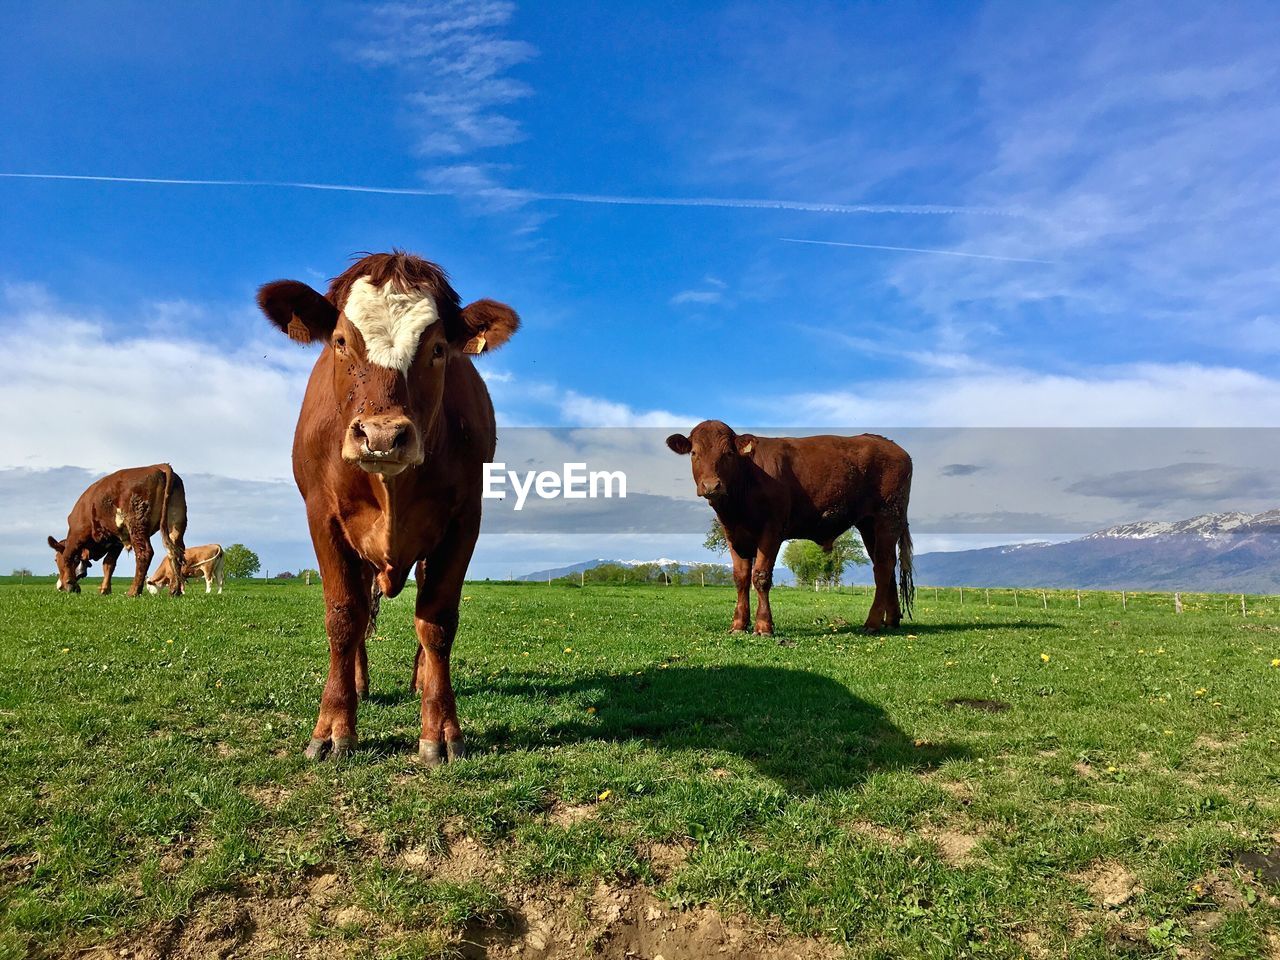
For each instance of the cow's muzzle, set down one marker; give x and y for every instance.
(383, 445)
(711, 489)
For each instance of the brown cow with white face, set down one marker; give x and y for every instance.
(389, 452)
(121, 512)
(766, 490)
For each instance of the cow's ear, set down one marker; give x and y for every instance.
(296, 309)
(486, 325)
(679, 443)
(58, 545)
(746, 443)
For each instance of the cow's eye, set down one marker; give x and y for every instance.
(340, 342)
(438, 351)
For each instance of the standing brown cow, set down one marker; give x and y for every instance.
(395, 429)
(121, 512)
(205, 561)
(769, 489)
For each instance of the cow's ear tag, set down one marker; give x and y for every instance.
(475, 345)
(297, 330)
(748, 448)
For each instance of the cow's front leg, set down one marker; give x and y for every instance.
(346, 597)
(742, 581)
(762, 580)
(441, 733)
(109, 567)
(436, 622)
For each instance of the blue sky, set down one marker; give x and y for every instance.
(1097, 182)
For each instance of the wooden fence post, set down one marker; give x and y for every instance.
(1177, 603)
(962, 596)
(1243, 611)
(1044, 598)
(1124, 600)
(986, 597)
(1077, 599)
(1015, 598)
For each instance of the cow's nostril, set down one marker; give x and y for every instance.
(357, 430)
(401, 437)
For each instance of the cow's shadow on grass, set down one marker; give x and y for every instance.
(802, 729)
(839, 627)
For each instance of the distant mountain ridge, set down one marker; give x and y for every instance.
(1216, 552)
(554, 573)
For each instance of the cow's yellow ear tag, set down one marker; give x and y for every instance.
(748, 448)
(475, 345)
(298, 331)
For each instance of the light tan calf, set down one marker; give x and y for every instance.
(205, 561)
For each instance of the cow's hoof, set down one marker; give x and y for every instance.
(344, 745)
(736, 630)
(457, 749)
(431, 753)
(363, 692)
(317, 749)
(764, 633)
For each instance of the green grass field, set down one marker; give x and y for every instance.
(634, 766)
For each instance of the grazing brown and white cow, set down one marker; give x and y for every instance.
(121, 512)
(395, 429)
(769, 489)
(205, 561)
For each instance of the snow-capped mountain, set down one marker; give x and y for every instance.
(1228, 552)
(1232, 552)
(1206, 526)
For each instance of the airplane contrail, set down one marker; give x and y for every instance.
(946, 253)
(918, 209)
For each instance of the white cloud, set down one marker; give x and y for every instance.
(1138, 395)
(579, 410)
(87, 394)
(698, 296)
(453, 54)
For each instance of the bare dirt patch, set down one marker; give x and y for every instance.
(1110, 884)
(466, 860)
(955, 846)
(665, 858)
(629, 923)
(1264, 865)
(567, 814)
(881, 834)
(270, 796)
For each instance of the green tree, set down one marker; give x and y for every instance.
(240, 562)
(811, 565)
(716, 541)
(709, 574)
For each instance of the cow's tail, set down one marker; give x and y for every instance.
(219, 561)
(173, 523)
(906, 579)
